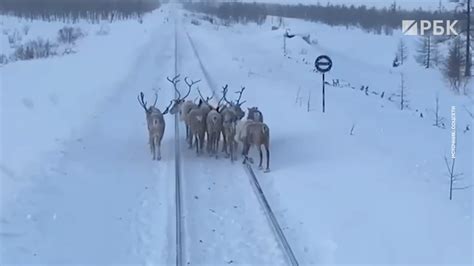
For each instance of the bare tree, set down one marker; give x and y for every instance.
(428, 53)
(454, 65)
(403, 100)
(402, 52)
(466, 7)
(454, 177)
(438, 119)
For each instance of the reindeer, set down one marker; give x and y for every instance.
(228, 131)
(236, 107)
(213, 123)
(231, 114)
(155, 123)
(182, 106)
(197, 125)
(254, 114)
(257, 134)
(204, 103)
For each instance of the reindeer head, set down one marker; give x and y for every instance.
(176, 103)
(204, 102)
(254, 114)
(150, 109)
(236, 106)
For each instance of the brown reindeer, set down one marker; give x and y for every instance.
(257, 134)
(254, 114)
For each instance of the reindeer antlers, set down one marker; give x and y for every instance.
(225, 89)
(141, 101)
(168, 108)
(224, 94)
(156, 99)
(240, 96)
(190, 84)
(202, 97)
(175, 81)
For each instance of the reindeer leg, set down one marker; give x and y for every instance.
(268, 158)
(202, 139)
(188, 133)
(261, 157)
(212, 144)
(196, 142)
(245, 152)
(189, 137)
(208, 144)
(224, 147)
(158, 144)
(152, 143)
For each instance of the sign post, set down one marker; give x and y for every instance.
(323, 64)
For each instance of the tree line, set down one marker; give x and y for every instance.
(73, 10)
(379, 21)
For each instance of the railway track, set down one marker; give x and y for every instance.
(247, 170)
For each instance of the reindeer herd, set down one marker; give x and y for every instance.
(209, 122)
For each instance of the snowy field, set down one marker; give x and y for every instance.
(364, 183)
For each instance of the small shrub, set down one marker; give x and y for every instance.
(69, 35)
(14, 38)
(195, 22)
(26, 29)
(3, 59)
(104, 29)
(34, 49)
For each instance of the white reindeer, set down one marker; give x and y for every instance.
(155, 123)
(182, 106)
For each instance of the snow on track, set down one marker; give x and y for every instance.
(224, 222)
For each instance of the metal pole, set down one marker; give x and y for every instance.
(324, 95)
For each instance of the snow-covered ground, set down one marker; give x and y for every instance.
(78, 185)
(378, 196)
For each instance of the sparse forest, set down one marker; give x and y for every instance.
(370, 19)
(73, 10)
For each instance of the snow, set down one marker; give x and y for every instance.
(379, 196)
(78, 185)
(62, 119)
